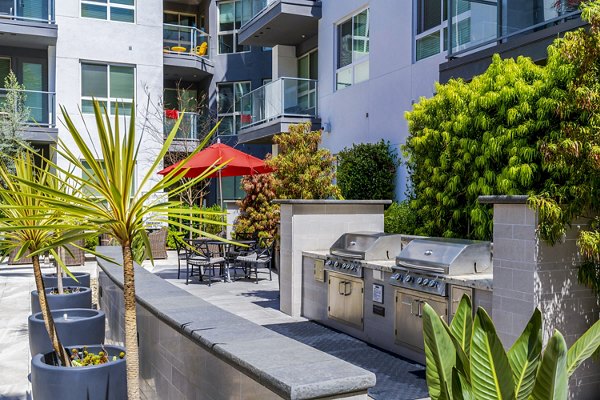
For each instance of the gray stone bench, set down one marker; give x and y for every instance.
(190, 349)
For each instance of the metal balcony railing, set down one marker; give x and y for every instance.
(189, 128)
(179, 39)
(285, 97)
(40, 105)
(28, 10)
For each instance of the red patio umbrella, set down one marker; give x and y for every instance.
(240, 163)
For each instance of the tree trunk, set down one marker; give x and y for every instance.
(62, 354)
(59, 276)
(131, 337)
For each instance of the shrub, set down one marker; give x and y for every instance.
(302, 169)
(399, 218)
(367, 171)
(212, 223)
(258, 214)
(91, 242)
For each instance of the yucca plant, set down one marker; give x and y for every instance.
(466, 360)
(29, 228)
(111, 201)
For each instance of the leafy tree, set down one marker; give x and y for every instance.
(399, 218)
(14, 115)
(367, 171)
(258, 214)
(477, 138)
(114, 210)
(302, 169)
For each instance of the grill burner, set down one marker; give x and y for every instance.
(347, 252)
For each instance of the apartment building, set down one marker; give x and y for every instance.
(354, 67)
(166, 57)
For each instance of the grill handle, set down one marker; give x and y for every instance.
(422, 267)
(346, 292)
(344, 254)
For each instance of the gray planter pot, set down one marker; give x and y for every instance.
(82, 299)
(50, 280)
(74, 326)
(98, 382)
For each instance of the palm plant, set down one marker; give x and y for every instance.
(110, 200)
(29, 228)
(466, 360)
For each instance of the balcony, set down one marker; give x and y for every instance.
(286, 22)
(482, 28)
(27, 23)
(41, 125)
(186, 53)
(271, 108)
(189, 130)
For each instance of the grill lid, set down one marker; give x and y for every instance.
(366, 246)
(447, 256)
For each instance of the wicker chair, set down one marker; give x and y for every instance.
(158, 243)
(76, 255)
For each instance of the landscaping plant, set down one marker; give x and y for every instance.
(466, 360)
(119, 207)
(302, 169)
(258, 215)
(14, 115)
(367, 171)
(29, 228)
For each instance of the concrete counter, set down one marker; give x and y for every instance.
(192, 349)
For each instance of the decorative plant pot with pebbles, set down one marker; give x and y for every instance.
(73, 297)
(83, 279)
(106, 381)
(74, 326)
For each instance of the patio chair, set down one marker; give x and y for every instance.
(207, 257)
(262, 257)
(74, 256)
(158, 243)
(181, 253)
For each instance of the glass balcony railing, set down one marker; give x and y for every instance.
(27, 10)
(285, 97)
(41, 107)
(179, 39)
(189, 128)
(477, 23)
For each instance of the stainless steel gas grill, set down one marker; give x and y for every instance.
(345, 284)
(421, 274)
(350, 248)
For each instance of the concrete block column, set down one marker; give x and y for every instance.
(315, 225)
(530, 273)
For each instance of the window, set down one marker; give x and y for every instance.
(308, 68)
(232, 15)
(109, 84)
(113, 10)
(228, 105)
(432, 26)
(181, 19)
(353, 50)
(4, 69)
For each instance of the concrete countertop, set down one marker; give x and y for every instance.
(479, 281)
(289, 368)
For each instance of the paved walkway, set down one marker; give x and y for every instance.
(397, 378)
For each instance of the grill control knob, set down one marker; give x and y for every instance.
(419, 280)
(399, 277)
(433, 283)
(336, 264)
(425, 282)
(407, 278)
(328, 262)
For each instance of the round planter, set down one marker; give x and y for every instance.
(74, 326)
(50, 280)
(97, 382)
(82, 299)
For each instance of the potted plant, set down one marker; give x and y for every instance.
(98, 373)
(119, 207)
(71, 297)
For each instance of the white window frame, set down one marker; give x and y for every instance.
(442, 29)
(233, 32)
(108, 6)
(354, 63)
(233, 113)
(109, 100)
(309, 93)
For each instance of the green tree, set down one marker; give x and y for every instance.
(114, 210)
(14, 115)
(367, 171)
(302, 169)
(257, 213)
